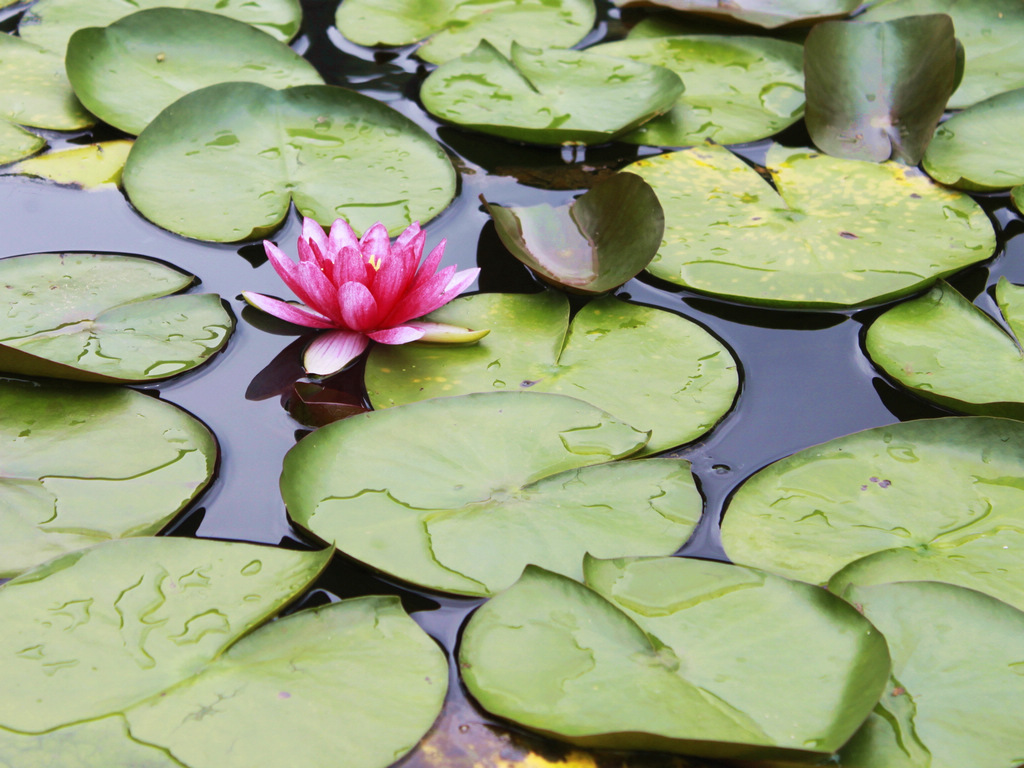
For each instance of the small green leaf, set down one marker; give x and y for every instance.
(16, 143)
(84, 167)
(877, 90)
(1017, 194)
(548, 96)
(763, 13)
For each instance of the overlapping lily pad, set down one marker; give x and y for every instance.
(658, 656)
(990, 31)
(414, 493)
(831, 233)
(949, 489)
(456, 27)
(947, 350)
(83, 167)
(104, 317)
(1017, 195)
(763, 13)
(67, 479)
(955, 695)
(877, 90)
(334, 152)
(548, 96)
(51, 23)
(979, 149)
(671, 376)
(128, 72)
(738, 88)
(79, 745)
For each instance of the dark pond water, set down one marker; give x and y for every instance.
(805, 378)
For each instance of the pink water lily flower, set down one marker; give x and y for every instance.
(363, 289)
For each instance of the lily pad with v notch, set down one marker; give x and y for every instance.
(656, 654)
(738, 88)
(876, 91)
(128, 72)
(955, 694)
(945, 349)
(990, 31)
(829, 233)
(591, 246)
(104, 317)
(763, 13)
(669, 375)
(548, 96)
(951, 490)
(455, 27)
(67, 480)
(458, 494)
(334, 152)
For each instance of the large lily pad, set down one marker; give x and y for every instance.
(591, 246)
(81, 745)
(737, 88)
(658, 656)
(980, 148)
(947, 350)
(831, 233)
(456, 27)
(412, 492)
(333, 151)
(670, 375)
(990, 31)
(67, 480)
(104, 317)
(763, 13)
(82, 167)
(936, 484)
(128, 72)
(51, 23)
(877, 90)
(548, 96)
(955, 695)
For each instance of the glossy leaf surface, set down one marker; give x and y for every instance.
(945, 349)
(876, 91)
(104, 317)
(81, 745)
(652, 659)
(591, 246)
(990, 31)
(936, 484)
(738, 88)
(334, 152)
(763, 13)
(466, 512)
(831, 233)
(533, 347)
(66, 480)
(84, 167)
(548, 96)
(16, 143)
(456, 27)
(128, 72)
(978, 148)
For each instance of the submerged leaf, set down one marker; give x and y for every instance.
(83, 167)
(763, 13)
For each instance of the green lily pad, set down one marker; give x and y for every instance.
(357, 678)
(591, 246)
(81, 745)
(738, 88)
(51, 23)
(334, 152)
(548, 96)
(16, 143)
(671, 376)
(456, 27)
(876, 90)
(464, 511)
(658, 656)
(97, 631)
(128, 72)
(104, 317)
(978, 148)
(945, 349)
(66, 480)
(990, 31)
(1017, 195)
(955, 695)
(763, 13)
(937, 484)
(831, 233)
(83, 167)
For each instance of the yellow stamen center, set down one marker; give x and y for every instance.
(374, 261)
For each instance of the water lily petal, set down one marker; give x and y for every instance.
(358, 307)
(342, 236)
(403, 334)
(313, 233)
(429, 265)
(331, 352)
(443, 333)
(288, 271)
(407, 236)
(375, 245)
(351, 267)
(391, 281)
(322, 295)
(460, 281)
(434, 293)
(293, 313)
